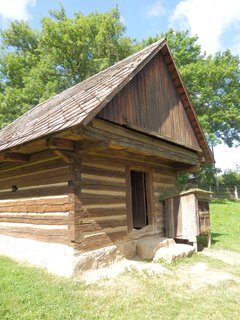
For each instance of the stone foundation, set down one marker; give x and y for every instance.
(64, 261)
(61, 259)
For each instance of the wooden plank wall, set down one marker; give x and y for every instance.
(150, 101)
(39, 209)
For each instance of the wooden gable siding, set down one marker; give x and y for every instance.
(40, 208)
(150, 101)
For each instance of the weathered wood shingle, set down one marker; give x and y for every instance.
(82, 102)
(77, 104)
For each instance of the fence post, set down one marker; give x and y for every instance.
(236, 192)
(211, 195)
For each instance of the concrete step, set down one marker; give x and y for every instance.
(148, 246)
(173, 252)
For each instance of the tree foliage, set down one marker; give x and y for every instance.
(230, 178)
(36, 64)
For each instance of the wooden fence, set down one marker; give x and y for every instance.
(225, 192)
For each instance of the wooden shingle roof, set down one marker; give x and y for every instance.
(82, 102)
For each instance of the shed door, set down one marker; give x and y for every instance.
(139, 199)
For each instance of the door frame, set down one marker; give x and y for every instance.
(149, 195)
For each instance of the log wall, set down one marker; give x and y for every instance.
(39, 209)
(164, 184)
(105, 198)
(46, 207)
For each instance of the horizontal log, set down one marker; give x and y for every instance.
(131, 139)
(102, 172)
(37, 158)
(41, 201)
(35, 192)
(60, 143)
(104, 164)
(60, 238)
(39, 168)
(102, 185)
(57, 234)
(97, 178)
(107, 192)
(103, 212)
(14, 157)
(36, 208)
(34, 227)
(33, 218)
(122, 159)
(104, 226)
(38, 179)
(89, 198)
(107, 204)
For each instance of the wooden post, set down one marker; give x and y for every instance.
(210, 189)
(209, 240)
(236, 192)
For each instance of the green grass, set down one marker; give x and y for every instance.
(225, 224)
(29, 293)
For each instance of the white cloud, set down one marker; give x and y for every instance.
(156, 9)
(122, 19)
(226, 158)
(236, 45)
(209, 19)
(15, 9)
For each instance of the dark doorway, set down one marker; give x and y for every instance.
(139, 199)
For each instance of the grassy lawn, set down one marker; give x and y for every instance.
(225, 224)
(29, 293)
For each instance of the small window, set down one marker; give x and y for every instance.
(139, 199)
(14, 188)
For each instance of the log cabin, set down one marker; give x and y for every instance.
(90, 167)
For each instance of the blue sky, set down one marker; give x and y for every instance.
(215, 22)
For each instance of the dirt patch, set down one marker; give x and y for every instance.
(114, 270)
(200, 275)
(194, 276)
(229, 257)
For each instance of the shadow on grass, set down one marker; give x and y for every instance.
(214, 237)
(203, 241)
(223, 201)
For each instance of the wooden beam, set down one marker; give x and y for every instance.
(68, 157)
(122, 138)
(189, 169)
(14, 157)
(60, 144)
(86, 146)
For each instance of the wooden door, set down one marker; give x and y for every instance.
(139, 199)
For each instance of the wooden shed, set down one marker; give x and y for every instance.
(88, 167)
(187, 216)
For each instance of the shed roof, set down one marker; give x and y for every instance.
(82, 102)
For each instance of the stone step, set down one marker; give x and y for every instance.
(173, 252)
(148, 246)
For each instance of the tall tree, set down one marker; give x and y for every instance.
(38, 64)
